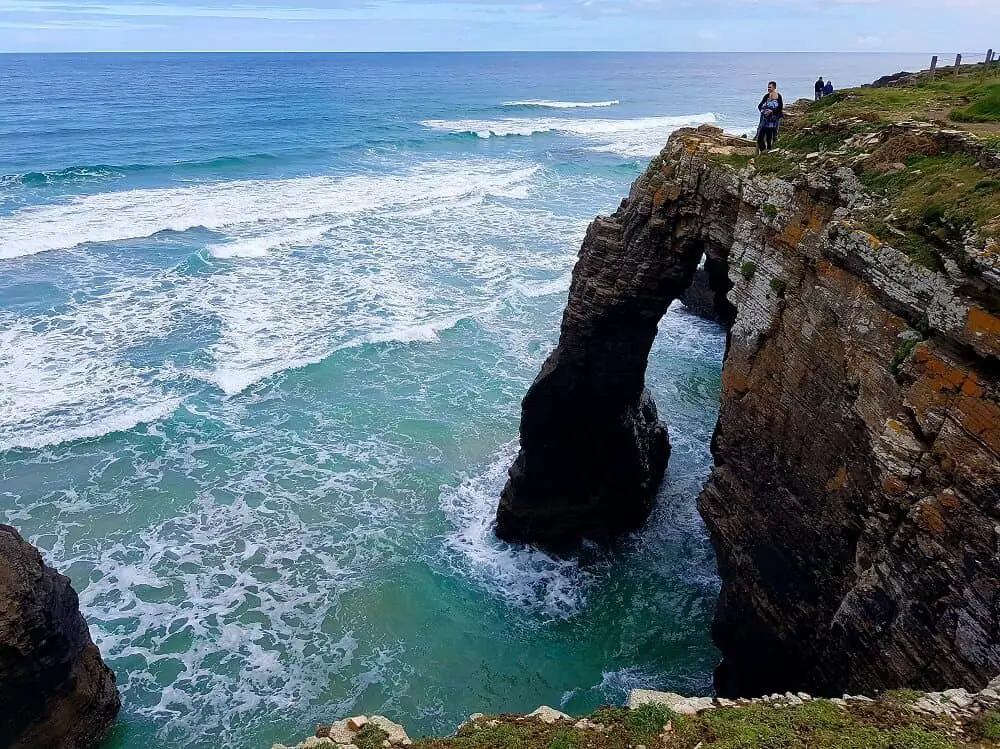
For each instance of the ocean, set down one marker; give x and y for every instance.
(265, 325)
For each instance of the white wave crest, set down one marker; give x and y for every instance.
(126, 418)
(232, 378)
(229, 206)
(548, 104)
(261, 245)
(641, 136)
(531, 289)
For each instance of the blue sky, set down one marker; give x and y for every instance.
(375, 25)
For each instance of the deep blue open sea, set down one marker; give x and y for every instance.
(265, 325)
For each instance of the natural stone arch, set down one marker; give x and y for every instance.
(593, 451)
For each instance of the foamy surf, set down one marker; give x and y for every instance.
(33, 437)
(234, 205)
(522, 576)
(233, 380)
(260, 244)
(641, 136)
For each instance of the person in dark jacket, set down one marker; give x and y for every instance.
(828, 88)
(819, 88)
(772, 109)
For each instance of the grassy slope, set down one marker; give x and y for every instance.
(819, 724)
(936, 201)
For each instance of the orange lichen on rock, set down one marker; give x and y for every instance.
(894, 485)
(734, 379)
(984, 330)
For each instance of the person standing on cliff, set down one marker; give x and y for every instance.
(828, 88)
(771, 109)
(819, 88)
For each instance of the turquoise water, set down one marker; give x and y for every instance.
(265, 324)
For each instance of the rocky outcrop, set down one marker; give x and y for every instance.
(855, 502)
(55, 691)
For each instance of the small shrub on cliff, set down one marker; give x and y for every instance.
(370, 737)
(991, 725)
(769, 210)
(984, 108)
(564, 739)
(608, 716)
(647, 721)
(904, 696)
(747, 270)
(778, 286)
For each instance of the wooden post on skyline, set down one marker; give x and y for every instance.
(958, 63)
(933, 65)
(989, 56)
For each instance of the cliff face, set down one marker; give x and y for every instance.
(855, 503)
(55, 691)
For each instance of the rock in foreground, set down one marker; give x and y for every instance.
(55, 691)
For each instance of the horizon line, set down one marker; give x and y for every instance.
(466, 52)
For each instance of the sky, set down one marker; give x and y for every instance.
(944, 26)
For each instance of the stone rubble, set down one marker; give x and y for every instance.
(958, 704)
(548, 715)
(342, 734)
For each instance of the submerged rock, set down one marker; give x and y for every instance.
(55, 691)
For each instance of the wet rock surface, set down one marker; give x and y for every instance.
(55, 691)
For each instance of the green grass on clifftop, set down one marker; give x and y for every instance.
(934, 200)
(984, 106)
(886, 723)
(973, 95)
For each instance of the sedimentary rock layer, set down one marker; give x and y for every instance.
(855, 502)
(55, 691)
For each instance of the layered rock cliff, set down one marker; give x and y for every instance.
(855, 502)
(55, 691)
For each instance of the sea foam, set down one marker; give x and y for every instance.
(225, 206)
(278, 294)
(635, 137)
(548, 104)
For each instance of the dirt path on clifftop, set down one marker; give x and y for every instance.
(977, 128)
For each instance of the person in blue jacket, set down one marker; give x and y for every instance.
(772, 109)
(828, 88)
